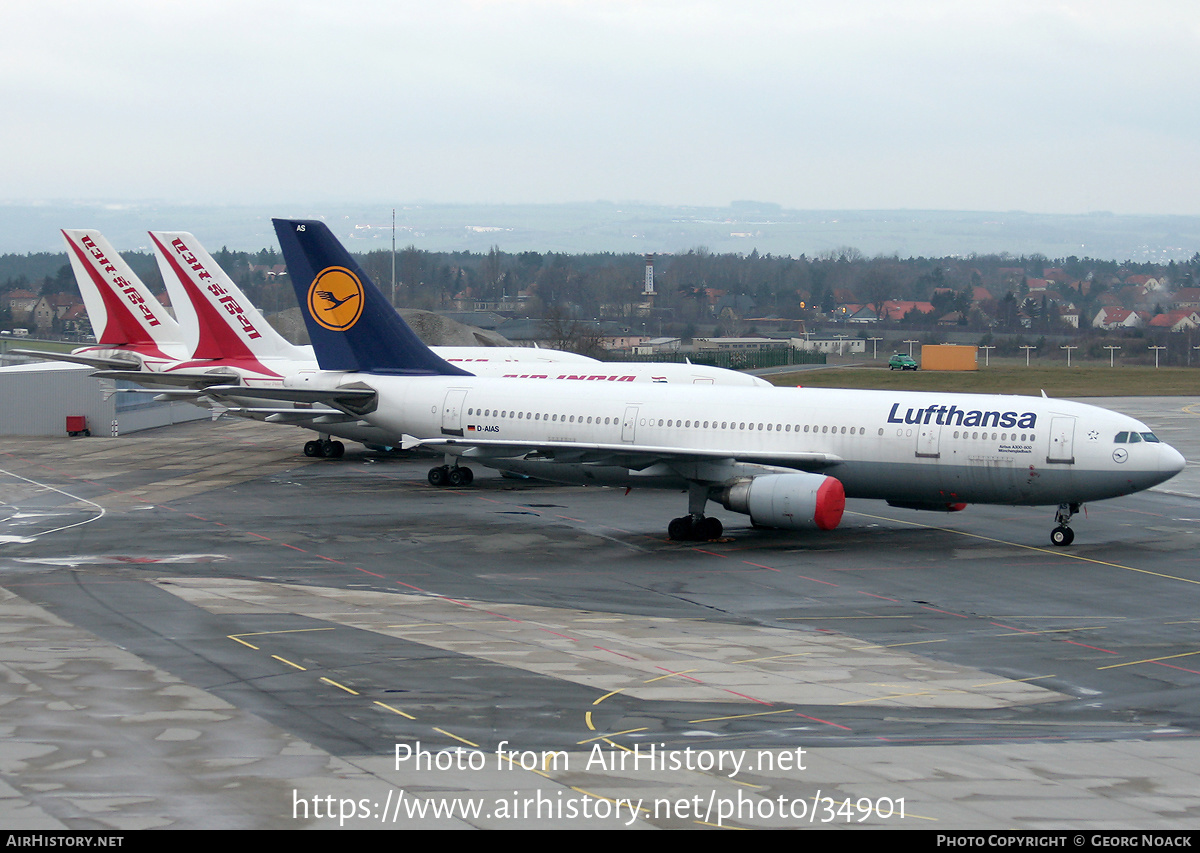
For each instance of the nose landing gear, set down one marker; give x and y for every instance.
(1063, 535)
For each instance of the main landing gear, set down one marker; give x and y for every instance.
(695, 526)
(691, 528)
(324, 449)
(1063, 535)
(454, 476)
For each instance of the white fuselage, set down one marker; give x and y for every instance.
(902, 446)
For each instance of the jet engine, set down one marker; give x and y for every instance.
(791, 501)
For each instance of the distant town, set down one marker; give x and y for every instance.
(726, 308)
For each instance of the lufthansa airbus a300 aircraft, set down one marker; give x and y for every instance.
(786, 457)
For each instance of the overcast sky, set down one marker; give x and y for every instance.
(1056, 107)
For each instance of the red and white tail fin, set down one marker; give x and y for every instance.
(124, 314)
(217, 319)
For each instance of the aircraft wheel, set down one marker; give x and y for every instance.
(335, 450)
(469, 476)
(313, 449)
(438, 475)
(711, 528)
(680, 529)
(456, 478)
(1062, 536)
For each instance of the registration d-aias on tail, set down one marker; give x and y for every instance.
(786, 457)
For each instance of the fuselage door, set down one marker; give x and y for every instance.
(1062, 440)
(929, 437)
(629, 424)
(452, 410)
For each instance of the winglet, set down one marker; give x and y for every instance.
(351, 325)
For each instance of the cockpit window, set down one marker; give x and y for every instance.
(1134, 438)
(1122, 438)
(1149, 436)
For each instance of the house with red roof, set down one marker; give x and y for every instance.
(1118, 318)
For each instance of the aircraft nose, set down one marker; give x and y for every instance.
(1171, 461)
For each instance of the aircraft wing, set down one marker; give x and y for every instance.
(635, 457)
(288, 416)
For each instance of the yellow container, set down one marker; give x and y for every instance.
(949, 357)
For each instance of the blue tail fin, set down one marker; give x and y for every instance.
(351, 325)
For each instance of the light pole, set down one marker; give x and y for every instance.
(986, 353)
(1068, 349)
(1111, 354)
(910, 343)
(874, 348)
(1156, 351)
(1027, 348)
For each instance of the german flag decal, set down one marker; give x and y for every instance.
(335, 299)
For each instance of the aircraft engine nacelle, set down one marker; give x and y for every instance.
(792, 501)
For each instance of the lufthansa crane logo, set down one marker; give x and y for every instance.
(335, 299)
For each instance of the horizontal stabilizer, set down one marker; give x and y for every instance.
(355, 401)
(90, 360)
(178, 379)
